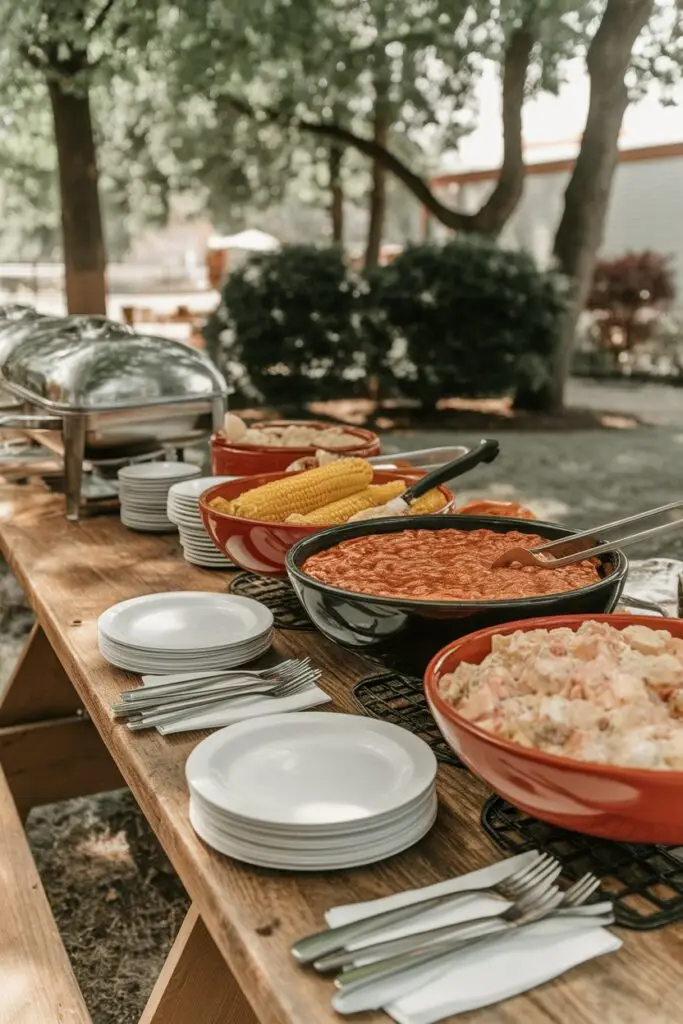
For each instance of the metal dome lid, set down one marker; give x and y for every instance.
(89, 364)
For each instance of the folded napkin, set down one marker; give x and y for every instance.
(240, 708)
(655, 579)
(504, 967)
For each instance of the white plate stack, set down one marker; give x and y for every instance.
(143, 491)
(309, 791)
(184, 631)
(183, 510)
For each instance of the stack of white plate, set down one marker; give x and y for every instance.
(183, 510)
(310, 791)
(143, 490)
(184, 631)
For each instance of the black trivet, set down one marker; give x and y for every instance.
(645, 882)
(399, 699)
(275, 594)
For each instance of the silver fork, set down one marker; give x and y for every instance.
(306, 950)
(381, 951)
(166, 693)
(177, 711)
(381, 983)
(275, 672)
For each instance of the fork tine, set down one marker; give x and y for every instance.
(546, 876)
(520, 876)
(531, 898)
(581, 890)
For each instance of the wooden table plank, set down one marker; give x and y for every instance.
(71, 573)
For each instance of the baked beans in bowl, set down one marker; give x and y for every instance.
(636, 800)
(401, 589)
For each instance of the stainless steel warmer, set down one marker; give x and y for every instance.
(112, 394)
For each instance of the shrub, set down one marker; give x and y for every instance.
(467, 318)
(287, 329)
(626, 297)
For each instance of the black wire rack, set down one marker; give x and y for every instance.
(277, 595)
(645, 883)
(399, 699)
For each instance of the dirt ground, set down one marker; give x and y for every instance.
(115, 897)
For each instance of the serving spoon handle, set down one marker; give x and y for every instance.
(485, 451)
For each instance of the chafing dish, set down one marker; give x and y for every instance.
(112, 394)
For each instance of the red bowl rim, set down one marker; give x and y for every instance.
(431, 678)
(365, 438)
(206, 496)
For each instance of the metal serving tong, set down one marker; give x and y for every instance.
(609, 537)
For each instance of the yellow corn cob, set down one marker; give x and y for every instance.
(340, 511)
(432, 501)
(221, 505)
(303, 492)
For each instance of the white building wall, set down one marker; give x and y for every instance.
(646, 212)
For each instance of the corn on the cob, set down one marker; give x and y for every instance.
(432, 501)
(340, 511)
(303, 492)
(221, 505)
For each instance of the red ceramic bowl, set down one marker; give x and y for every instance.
(628, 804)
(261, 547)
(231, 459)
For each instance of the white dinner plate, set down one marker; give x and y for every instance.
(145, 663)
(190, 652)
(300, 862)
(154, 471)
(351, 838)
(310, 769)
(185, 621)
(190, 490)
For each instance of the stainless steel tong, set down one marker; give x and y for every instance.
(598, 540)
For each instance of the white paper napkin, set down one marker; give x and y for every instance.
(240, 708)
(654, 579)
(481, 977)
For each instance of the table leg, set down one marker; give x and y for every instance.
(196, 985)
(49, 749)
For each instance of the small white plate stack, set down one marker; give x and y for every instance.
(184, 631)
(310, 791)
(183, 510)
(143, 491)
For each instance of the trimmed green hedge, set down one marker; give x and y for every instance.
(467, 318)
(288, 329)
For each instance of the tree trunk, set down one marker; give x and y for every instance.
(378, 208)
(586, 200)
(336, 194)
(83, 241)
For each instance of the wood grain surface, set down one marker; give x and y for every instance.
(73, 572)
(38, 985)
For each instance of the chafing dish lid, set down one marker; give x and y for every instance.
(87, 364)
(16, 323)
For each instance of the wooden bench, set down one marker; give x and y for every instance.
(38, 984)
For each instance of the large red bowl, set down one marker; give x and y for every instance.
(261, 547)
(231, 459)
(628, 804)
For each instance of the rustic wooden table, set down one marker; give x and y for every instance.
(230, 962)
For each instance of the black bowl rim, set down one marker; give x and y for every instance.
(408, 603)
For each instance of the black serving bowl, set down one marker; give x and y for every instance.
(406, 633)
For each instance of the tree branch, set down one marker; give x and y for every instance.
(100, 18)
(501, 203)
